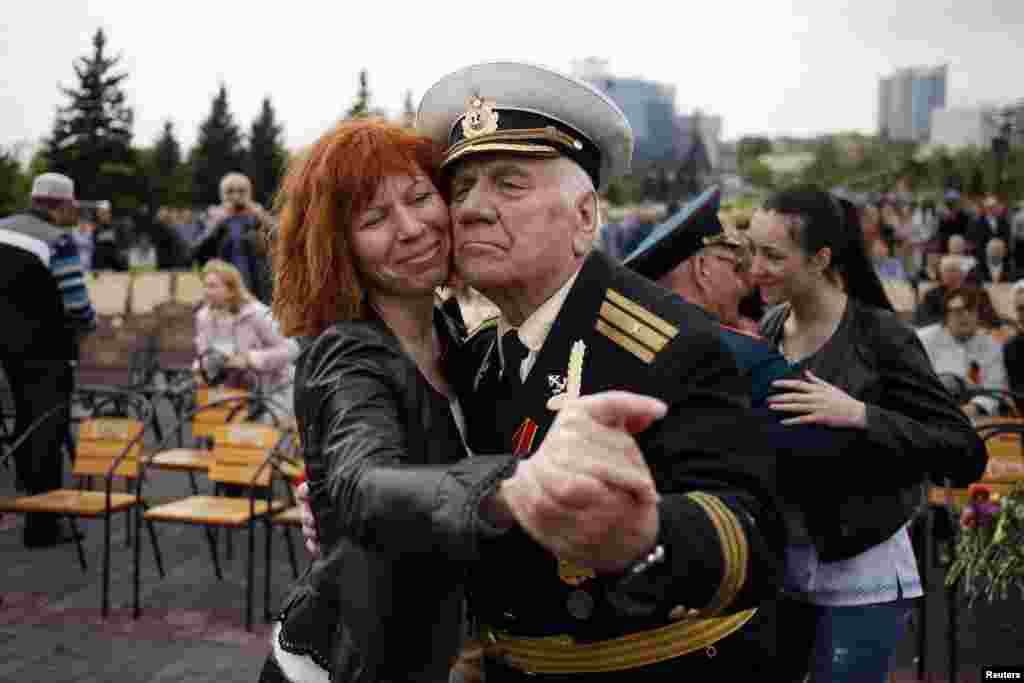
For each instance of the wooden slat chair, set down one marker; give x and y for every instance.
(108, 447)
(214, 407)
(242, 455)
(1004, 471)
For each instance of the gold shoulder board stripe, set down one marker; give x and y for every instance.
(644, 334)
(638, 311)
(484, 325)
(735, 551)
(628, 343)
(633, 327)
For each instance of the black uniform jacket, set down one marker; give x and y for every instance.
(716, 476)
(915, 430)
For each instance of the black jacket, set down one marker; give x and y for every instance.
(259, 279)
(642, 338)
(915, 430)
(396, 504)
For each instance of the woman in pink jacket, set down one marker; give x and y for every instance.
(234, 323)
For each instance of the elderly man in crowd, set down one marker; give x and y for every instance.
(959, 348)
(996, 266)
(584, 580)
(952, 276)
(45, 310)
(237, 235)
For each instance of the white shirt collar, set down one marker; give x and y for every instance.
(534, 330)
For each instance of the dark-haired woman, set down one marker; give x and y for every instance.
(851, 570)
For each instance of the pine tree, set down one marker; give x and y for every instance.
(267, 157)
(218, 151)
(92, 136)
(361, 107)
(170, 182)
(12, 182)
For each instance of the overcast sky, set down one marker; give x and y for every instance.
(766, 66)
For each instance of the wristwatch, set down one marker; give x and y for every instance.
(639, 591)
(655, 557)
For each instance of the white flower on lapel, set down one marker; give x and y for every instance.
(557, 384)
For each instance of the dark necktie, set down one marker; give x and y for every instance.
(514, 352)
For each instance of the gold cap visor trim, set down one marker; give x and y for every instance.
(544, 151)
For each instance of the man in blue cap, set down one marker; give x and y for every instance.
(581, 580)
(695, 256)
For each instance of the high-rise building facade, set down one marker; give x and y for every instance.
(906, 100)
(649, 107)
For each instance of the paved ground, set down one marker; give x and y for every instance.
(192, 625)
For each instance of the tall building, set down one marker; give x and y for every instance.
(906, 100)
(649, 107)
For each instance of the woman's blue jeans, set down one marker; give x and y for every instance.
(842, 644)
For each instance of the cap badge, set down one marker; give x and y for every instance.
(480, 117)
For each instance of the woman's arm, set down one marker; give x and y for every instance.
(365, 479)
(276, 351)
(917, 418)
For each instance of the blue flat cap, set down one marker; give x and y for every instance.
(671, 242)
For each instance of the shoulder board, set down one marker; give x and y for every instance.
(484, 325)
(633, 327)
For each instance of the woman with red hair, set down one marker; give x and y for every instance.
(363, 243)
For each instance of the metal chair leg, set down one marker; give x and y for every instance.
(156, 548)
(267, 550)
(136, 552)
(250, 575)
(78, 543)
(106, 562)
(212, 539)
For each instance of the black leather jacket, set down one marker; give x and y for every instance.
(396, 503)
(915, 430)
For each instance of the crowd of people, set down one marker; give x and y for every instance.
(542, 447)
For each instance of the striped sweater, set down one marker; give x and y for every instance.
(56, 249)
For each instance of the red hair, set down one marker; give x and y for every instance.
(316, 282)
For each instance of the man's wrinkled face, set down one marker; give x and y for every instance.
(514, 220)
(725, 273)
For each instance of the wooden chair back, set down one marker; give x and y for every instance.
(1005, 459)
(101, 440)
(238, 452)
(205, 422)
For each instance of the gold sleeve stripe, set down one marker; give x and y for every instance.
(644, 334)
(642, 313)
(628, 343)
(735, 551)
